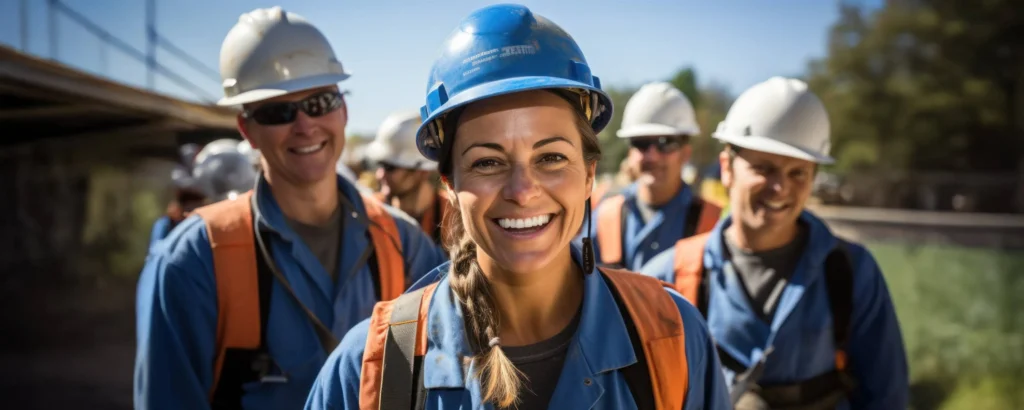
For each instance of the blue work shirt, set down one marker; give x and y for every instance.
(801, 329)
(177, 306)
(644, 241)
(591, 377)
(161, 228)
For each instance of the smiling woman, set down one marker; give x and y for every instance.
(511, 118)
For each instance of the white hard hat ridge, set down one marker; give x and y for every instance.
(658, 109)
(779, 116)
(271, 52)
(395, 142)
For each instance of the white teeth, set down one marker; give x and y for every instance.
(775, 205)
(524, 223)
(310, 149)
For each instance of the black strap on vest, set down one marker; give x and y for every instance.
(693, 217)
(637, 375)
(243, 366)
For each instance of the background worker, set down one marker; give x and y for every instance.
(658, 209)
(240, 305)
(408, 180)
(772, 277)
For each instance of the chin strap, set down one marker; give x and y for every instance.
(588, 248)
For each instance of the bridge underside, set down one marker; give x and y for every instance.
(42, 101)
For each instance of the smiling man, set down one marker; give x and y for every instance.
(803, 318)
(658, 209)
(239, 306)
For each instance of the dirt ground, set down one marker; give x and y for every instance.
(67, 345)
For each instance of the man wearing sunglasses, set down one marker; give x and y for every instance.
(658, 209)
(241, 304)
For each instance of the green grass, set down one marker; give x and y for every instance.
(959, 312)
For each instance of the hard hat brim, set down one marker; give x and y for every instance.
(773, 146)
(654, 130)
(282, 88)
(509, 86)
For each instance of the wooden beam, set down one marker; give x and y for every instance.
(20, 68)
(56, 112)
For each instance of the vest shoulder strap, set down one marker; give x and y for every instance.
(701, 217)
(664, 339)
(387, 245)
(839, 285)
(229, 226)
(609, 229)
(395, 337)
(688, 265)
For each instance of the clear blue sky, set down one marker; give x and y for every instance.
(389, 45)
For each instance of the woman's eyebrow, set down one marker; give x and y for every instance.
(491, 145)
(550, 140)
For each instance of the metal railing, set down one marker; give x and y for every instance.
(57, 9)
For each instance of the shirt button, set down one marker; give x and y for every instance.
(587, 381)
(355, 215)
(654, 245)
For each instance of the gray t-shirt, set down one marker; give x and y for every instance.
(541, 363)
(765, 274)
(323, 240)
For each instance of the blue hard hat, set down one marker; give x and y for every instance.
(503, 49)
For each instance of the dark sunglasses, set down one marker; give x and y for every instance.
(663, 144)
(285, 112)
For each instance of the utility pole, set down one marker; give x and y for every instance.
(24, 26)
(151, 39)
(53, 28)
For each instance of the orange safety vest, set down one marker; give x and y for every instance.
(229, 225)
(652, 312)
(688, 265)
(611, 219)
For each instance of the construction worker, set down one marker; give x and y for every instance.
(521, 317)
(224, 174)
(405, 176)
(240, 305)
(771, 277)
(659, 208)
(187, 195)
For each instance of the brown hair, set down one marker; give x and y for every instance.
(499, 379)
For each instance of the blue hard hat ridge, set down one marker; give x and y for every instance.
(504, 49)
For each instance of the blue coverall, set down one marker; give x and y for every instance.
(177, 307)
(801, 328)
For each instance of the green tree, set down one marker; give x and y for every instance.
(686, 81)
(925, 85)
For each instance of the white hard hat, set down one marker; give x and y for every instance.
(779, 116)
(658, 109)
(270, 52)
(245, 148)
(225, 174)
(395, 143)
(216, 147)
